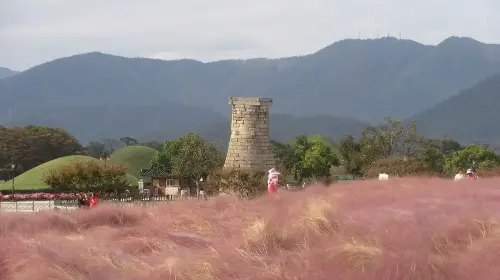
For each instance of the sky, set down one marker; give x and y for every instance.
(36, 31)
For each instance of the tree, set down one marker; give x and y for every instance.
(391, 139)
(286, 159)
(87, 176)
(449, 146)
(129, 141)
(51, 143)
(300, 147)
(31, 145)
(111, 145)
(478, 157)
(318, 159)
(95, 149)
(350, 155)
(305, 158)
(188, 157)
(435, 152)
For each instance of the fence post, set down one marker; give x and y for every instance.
(33, 206)
(16, 204)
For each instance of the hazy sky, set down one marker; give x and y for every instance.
(36, 31)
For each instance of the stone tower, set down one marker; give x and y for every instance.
(250, 145)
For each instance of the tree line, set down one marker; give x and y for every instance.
(32, 145)
(393, 147)
(397, 148)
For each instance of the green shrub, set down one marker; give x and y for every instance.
(398, 167)
(89, 176)
(243, 183)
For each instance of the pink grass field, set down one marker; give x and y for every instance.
(409, 228)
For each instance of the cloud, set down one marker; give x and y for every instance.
(35, 31)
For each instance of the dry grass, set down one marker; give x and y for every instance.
(409, 228)
(355, 254)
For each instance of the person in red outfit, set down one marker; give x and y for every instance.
(272, 181)
(93, 200)
(471, 175)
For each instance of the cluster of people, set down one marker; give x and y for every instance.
(87, 200)
(273, 182)
(470, 174)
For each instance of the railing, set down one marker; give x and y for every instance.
(70, 205)
(26, 206)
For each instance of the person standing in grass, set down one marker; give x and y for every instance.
(460, 175)
(82, 200)
(471, 175)
(93, 200)
(272, 181)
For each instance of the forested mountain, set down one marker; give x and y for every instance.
(97, 95)
(472, 115)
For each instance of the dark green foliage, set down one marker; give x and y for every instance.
(88, 176)
(350, 155)
(31, 145)
(391, 139)
(95, 149)
(306, 157)
(472, 156)
(188, 157)
(435, 152)
(243, 183)
(399, 150)
(129, 141)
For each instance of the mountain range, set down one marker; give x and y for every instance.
(334, 91)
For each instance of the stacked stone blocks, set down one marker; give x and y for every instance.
(250, 145)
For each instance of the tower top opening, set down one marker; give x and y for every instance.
(258, 101)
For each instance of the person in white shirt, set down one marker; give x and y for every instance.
(460, 175)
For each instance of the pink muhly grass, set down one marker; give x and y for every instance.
(404, 228)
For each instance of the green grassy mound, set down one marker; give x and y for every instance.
(133, 158)
(33, 178)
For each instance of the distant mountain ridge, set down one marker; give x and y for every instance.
(95, 94)
(6, 72)
(470, 116)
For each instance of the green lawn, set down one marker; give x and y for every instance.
(33, 178)
(133, 158)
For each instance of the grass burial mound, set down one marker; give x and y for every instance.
(398, 229)
(133, 158)
(33, 178)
